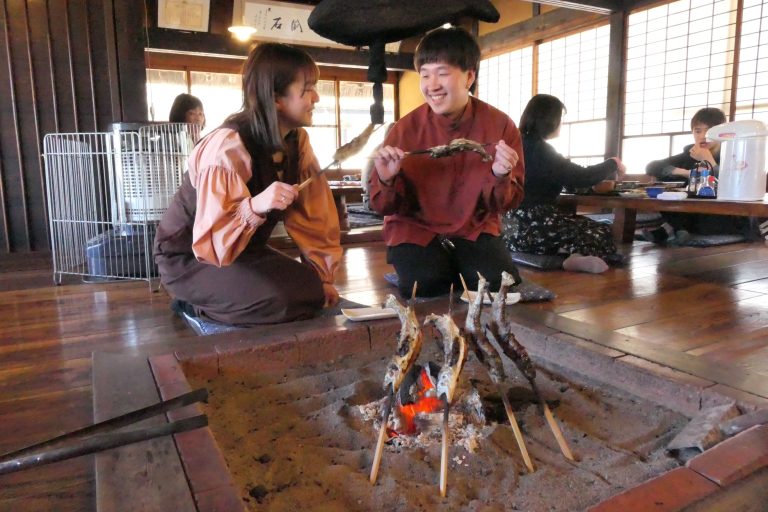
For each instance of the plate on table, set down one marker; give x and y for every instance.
(511, 297)
(633, 194)
(372, 313)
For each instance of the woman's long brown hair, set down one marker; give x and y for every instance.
(267, 73)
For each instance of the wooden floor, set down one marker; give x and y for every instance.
(699, 310)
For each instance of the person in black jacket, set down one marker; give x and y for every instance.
(537, 226)
(678, 227)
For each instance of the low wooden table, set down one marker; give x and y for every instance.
(341, 190)
(625, 209)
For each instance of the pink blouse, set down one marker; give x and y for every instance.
(220, 167)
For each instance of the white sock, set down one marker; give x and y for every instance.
(578, 263)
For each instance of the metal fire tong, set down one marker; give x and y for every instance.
(104, 435)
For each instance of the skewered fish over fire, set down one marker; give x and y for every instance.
(501, 331)
(409, 343)
(455, 354)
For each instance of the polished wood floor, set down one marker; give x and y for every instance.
(705, 310)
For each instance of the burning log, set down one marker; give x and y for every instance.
(408, 348)
(455, 355)
(491, 359)
(500, 329)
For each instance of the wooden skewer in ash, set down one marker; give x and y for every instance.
(409, 344)
(454, 347)
(501, 330)
(491, 360)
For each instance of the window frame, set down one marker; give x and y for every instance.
(189, 63)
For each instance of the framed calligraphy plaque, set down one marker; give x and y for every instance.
(183, 14)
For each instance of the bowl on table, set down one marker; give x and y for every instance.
(626, 185)
(652, 192)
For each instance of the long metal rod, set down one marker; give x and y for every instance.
(198, 395)
(100, 443)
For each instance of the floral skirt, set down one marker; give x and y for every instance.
(543, 229)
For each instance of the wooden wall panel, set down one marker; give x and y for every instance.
(65, 66)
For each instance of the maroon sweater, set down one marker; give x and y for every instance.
(456, 196)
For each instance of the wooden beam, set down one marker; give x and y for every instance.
(598, 6)
(544, 26)
(614, 111)
(217, 44)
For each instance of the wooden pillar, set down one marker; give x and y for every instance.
(616, 87)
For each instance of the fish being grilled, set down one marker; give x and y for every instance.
(409, 343)
(481, 346)
(454, 351)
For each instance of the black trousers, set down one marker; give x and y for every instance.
(437, 266)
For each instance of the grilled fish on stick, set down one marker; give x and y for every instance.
(455, 354)
(491, 359)
(453, 147)
(408, 344)
(501, 331)
(408, 348)
(346, 151)
(482, 348)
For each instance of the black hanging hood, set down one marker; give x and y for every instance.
(374, 23)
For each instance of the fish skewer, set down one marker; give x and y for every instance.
(408, 348)
(453, 147)
(346, 151)
(491, 360)
(501, 331)
(454, 347)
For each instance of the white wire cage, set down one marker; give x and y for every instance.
(106, 194)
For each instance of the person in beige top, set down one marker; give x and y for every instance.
(211, 244)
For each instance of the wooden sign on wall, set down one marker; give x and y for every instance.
(184, 14)
(287, 23)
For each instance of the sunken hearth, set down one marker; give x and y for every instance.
(296, 419)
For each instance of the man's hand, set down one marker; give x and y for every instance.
(700, 153)
(506, 159)
(387, 163)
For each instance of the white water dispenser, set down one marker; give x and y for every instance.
(742, 159)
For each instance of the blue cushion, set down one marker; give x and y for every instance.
(713, 240)
(539, 261)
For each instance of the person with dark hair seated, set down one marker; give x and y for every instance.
(537, 226)
(187, 109)
(443, 215)
(211, 244)
(678, 227)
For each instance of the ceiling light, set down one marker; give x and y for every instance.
(242, 32)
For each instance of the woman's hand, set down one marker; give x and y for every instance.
(387, 162)
(621, 169)
(505, 160)
(277, 196)
(331, 295)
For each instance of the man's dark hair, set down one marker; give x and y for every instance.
(542, 116)
(454, 46)
(708, 116)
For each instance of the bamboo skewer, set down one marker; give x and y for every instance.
(382, 436)
(558, 433)
(510, 413)
(387, 409)
(444, 451)
(516, 430)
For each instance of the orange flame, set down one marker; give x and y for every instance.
(425, 402)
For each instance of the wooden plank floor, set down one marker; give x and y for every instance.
(710, 304)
